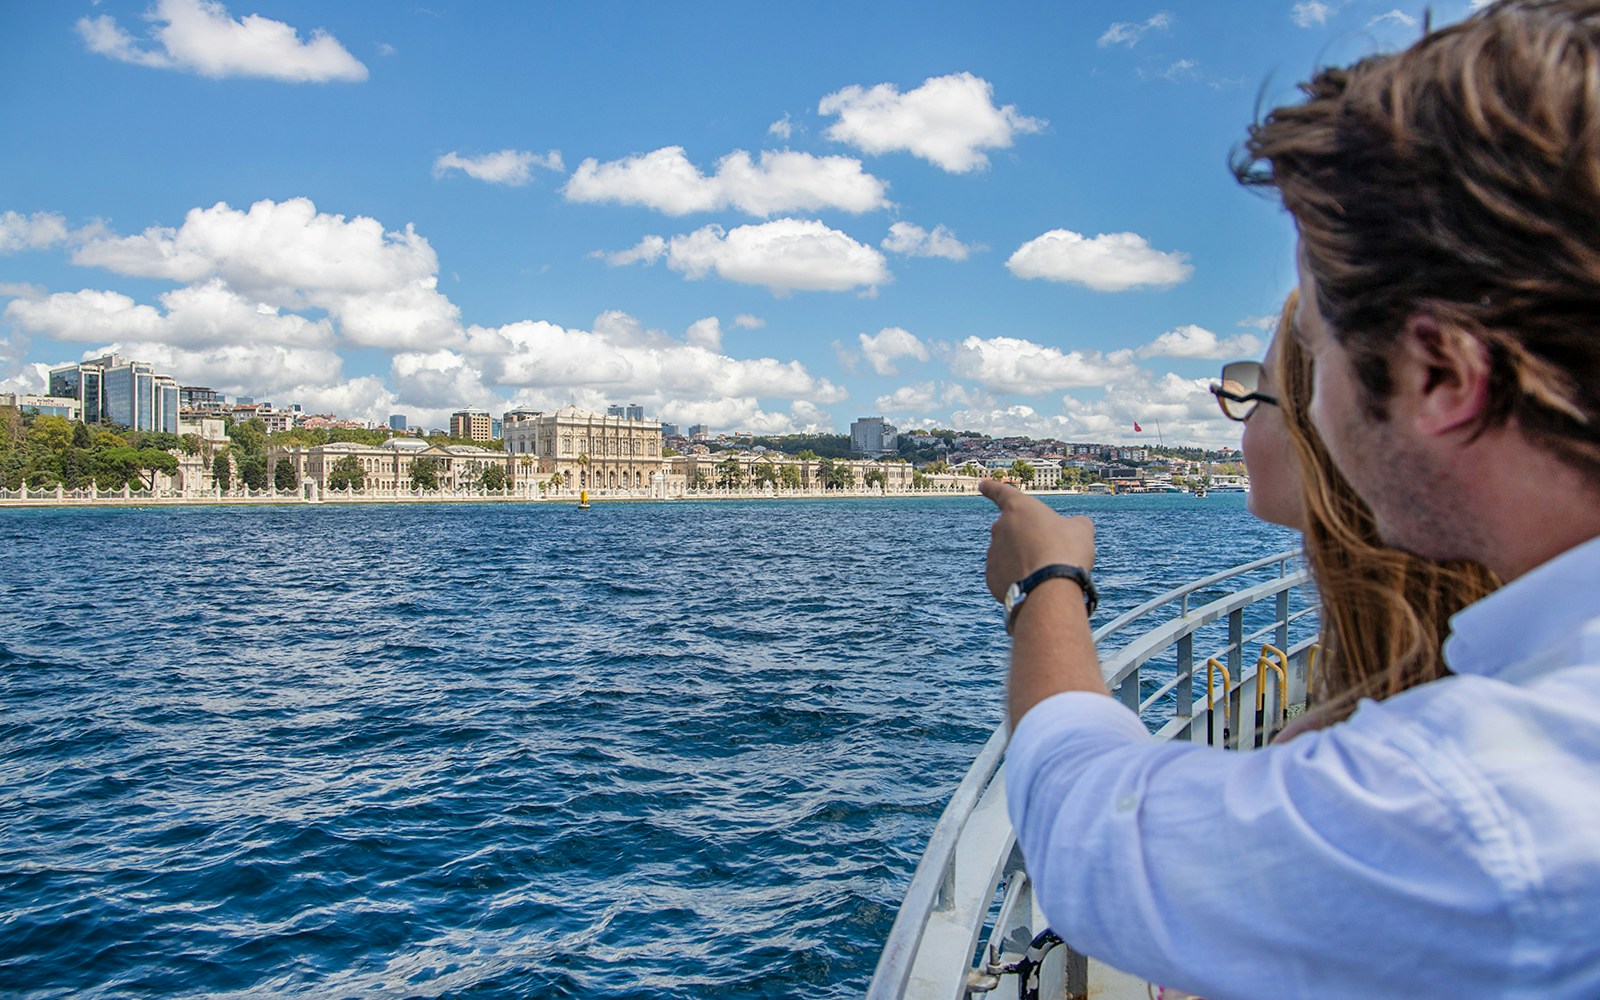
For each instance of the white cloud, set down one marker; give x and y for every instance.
(908, 399)
(706, 333)
(1130, 32)
(1197, 342)
(1183, 69)
(784, 181)
(15, 374)
(621, 355)
(887, 346)
(783, 128)
(38, 231)
(647, 251)
(365, 398)
(442, 379)
(914, 241)
(1112, 262)
(1167, 406)
(1267, 323)
(784, 255)
(266, 371)
(511, 167)
(1399, 18)
(948, 121)
(1310, 13)
(1013, 365)
(200, 37)
(745, 321)
(204, 314)
(380, 287)
(803, 417)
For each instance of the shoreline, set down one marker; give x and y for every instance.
(49, 501)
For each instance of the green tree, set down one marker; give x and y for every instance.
(154, 460)
(425, 472)
(875, 478)
(842, 478)
(557, 480)
(250, 437)
(1023, 472)
(12, 431)
(222, 472)
(729, 475)
(789, 476)
(347, 474)
(493, 478)
(116, 466)
(825, 474)
(190, 444)
(253, 471)
(920, 481)
(764, 474)
(283, 476)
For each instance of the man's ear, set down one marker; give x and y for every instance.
(1446, 372)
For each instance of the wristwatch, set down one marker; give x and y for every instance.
(1018, 592)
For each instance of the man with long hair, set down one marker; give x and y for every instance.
(1444, 841)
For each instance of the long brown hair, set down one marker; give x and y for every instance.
(1385, 613)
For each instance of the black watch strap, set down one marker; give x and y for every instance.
(1017, 595)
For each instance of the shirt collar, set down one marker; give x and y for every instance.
(1542, 608)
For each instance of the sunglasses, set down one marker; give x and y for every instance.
(1237, 393)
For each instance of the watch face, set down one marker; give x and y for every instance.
(1013, 595)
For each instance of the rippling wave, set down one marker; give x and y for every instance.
(654, 750)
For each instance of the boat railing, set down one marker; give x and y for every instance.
(972, 859)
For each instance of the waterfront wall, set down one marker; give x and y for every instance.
(526, 492)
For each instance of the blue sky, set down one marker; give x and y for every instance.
(1014, 218)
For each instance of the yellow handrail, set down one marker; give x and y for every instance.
(1213, 665)
(1282, 667)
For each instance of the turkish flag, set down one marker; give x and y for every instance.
(1136, 428)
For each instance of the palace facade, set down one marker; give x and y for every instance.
(588, 450)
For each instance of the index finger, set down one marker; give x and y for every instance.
(997, 492)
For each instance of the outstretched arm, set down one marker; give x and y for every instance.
(1052, 649)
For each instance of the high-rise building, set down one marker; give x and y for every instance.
(633, 411)
(873, 437)
(699, 432)
(201, 398)
(397, 422)
(473, 425)
(81, 383)
(115, 390)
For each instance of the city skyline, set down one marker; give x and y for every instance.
(1016, 220)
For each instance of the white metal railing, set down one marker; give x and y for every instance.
(972, 857)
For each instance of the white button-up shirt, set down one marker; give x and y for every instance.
(1444, 842)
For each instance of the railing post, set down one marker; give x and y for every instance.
(1185, 676)
(1282, 635)
(1128, 693)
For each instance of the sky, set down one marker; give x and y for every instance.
(1012, 218)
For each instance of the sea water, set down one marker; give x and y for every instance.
(686, 749)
